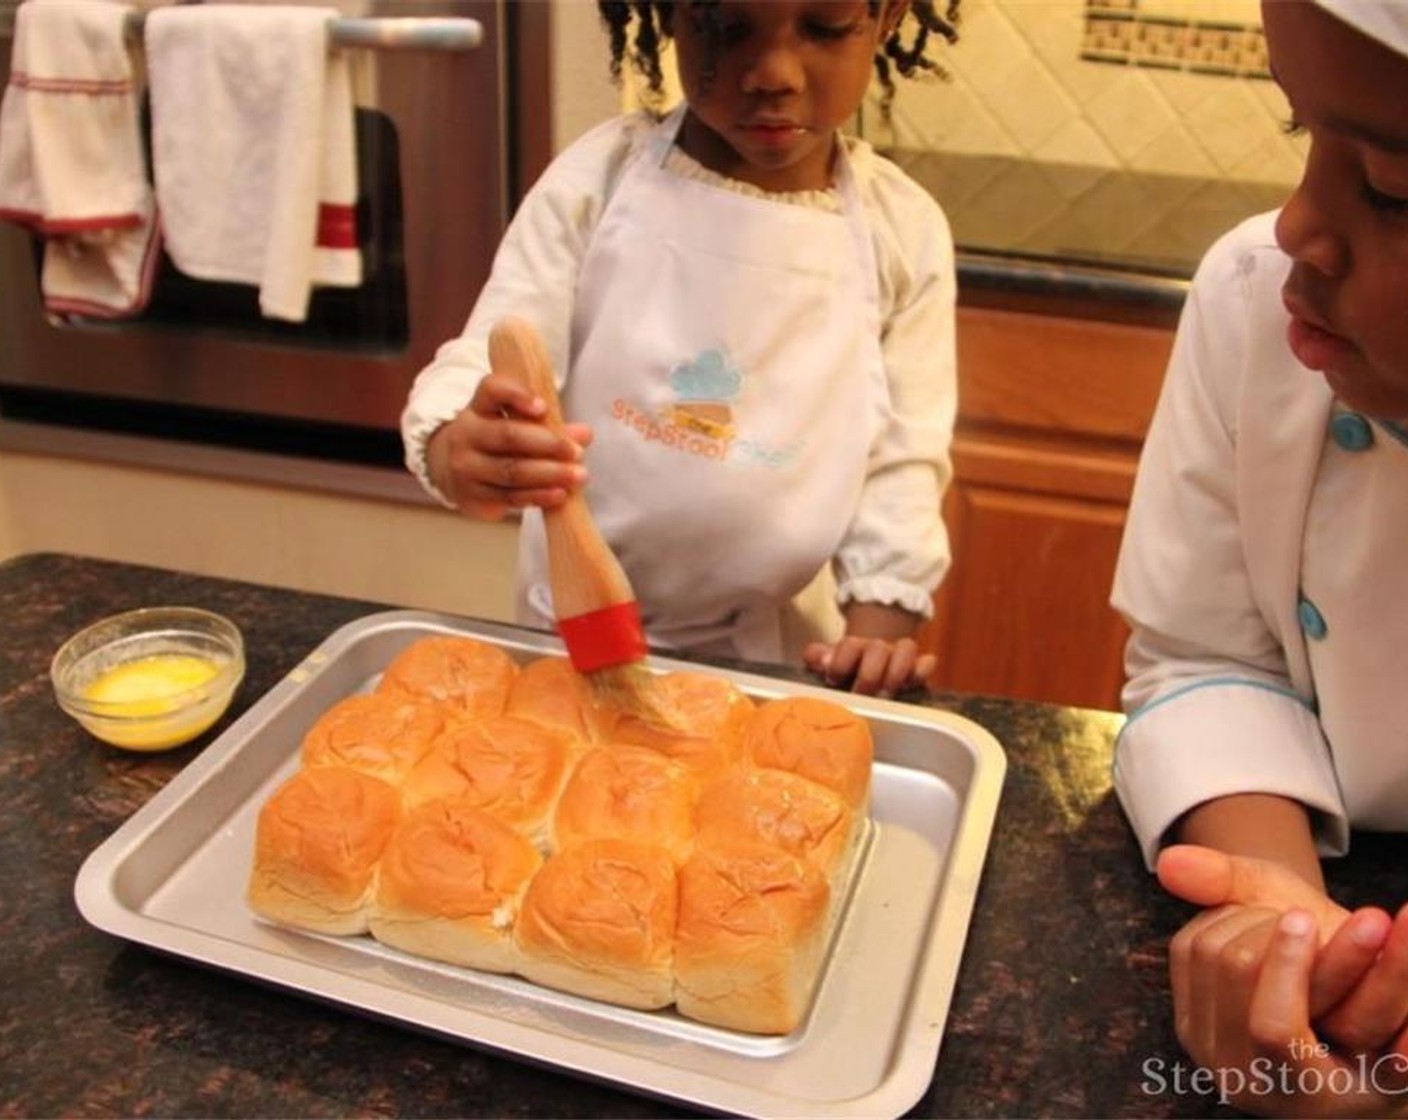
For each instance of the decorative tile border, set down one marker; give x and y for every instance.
(1123, 32)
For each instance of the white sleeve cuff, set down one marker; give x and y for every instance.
(441, 392)
(1222, 737)
(887, 591)
(416, 437)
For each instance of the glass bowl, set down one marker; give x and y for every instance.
(150, 679)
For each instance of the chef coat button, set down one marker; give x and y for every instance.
(1352, 432)
(1312, 622)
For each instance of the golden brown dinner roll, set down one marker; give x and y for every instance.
(549, 690)
(780, 808)
(316, 847)
(627, 792)
(703, 756)
(598, 920)
(450, 884)
(706, 702)
(711, 714)
(511, 768)
(466, 674)
(819, 739)
(382, 734)
(751, 936)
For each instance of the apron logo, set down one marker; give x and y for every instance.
(704, 393)
(700, 420)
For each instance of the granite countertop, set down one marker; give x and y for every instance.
(1059, 1008)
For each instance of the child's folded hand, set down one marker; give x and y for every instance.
(1358, 992)
(1373, 1015)
(1207, 877)
(1242, 1010)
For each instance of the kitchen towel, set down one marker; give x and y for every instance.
(253, 148)
(71, 162)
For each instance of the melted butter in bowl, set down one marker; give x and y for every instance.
(150, 679)
(150, 688)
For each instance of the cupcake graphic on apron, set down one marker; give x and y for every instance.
(704, 391)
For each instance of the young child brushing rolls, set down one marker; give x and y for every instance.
(1263, 573)
(751, 317)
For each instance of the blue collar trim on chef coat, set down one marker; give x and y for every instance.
(1212, 682)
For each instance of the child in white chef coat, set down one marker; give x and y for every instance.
(1264, 573)
(751, 317)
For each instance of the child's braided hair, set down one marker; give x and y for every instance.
(652, 22)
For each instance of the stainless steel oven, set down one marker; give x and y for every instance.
(201, 364)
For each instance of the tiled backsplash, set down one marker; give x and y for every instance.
(1107, 95)
(1020, 87)
(1212, 37)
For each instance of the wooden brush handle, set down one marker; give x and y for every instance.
(585, 575)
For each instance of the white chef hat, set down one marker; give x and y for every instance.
(1384, 20)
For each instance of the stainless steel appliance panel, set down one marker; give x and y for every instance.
(447, 115)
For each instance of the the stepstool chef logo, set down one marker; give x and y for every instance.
(700, 419)
(1307, 1071)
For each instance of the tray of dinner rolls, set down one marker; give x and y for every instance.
(757, 907)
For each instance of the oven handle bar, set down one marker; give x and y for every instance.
(400, 33)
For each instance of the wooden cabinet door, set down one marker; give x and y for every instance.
(1052, 414)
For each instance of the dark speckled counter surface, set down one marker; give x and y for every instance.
(1059, 1008)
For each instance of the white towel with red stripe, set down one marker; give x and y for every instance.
(71, 161)
(253, 148)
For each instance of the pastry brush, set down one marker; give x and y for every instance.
(597, 614)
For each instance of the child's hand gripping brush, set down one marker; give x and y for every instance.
(597, 614)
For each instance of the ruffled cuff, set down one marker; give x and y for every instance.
(417, 426)
(887, 591)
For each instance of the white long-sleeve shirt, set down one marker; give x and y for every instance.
(895, 550)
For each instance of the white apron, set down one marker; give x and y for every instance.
(731, 443)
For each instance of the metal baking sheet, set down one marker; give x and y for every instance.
(172, 877)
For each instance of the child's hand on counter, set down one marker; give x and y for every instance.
(497, 455)
(878, 655)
